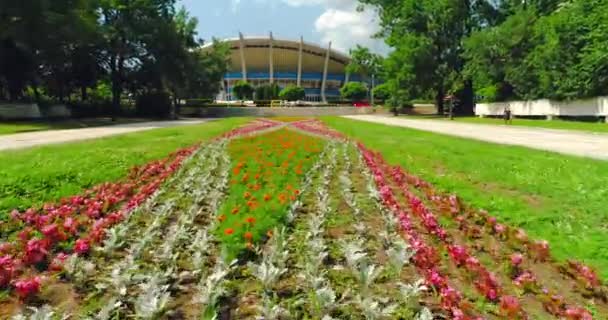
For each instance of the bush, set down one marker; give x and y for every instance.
(267, 92)
(382, 92)
(91, 108)
(243, 90)
(198, 102)
(263, 103)
(292, 93)
(354, 91)
(153, 104)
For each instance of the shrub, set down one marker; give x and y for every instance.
(153, 104)
(354, 91)
(382, 92)
(267, 92)
(292, 93)
(243, 90)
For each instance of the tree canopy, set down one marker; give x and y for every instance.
(494, 49)
(64, 49)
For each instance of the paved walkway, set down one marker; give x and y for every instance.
(592, 145)
(30, 139)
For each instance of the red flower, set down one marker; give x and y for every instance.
(82, 246)
(228, 231)
(248, 235)
(235, 210)
(27, 287)
(250, 220)
(267, 197)
(247, 195)
(221, 218)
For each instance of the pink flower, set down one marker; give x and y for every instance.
(458, 253)
(517, 259)
(36, 251)
(499, 228)
(576, 313)
(27, 287)
(509, 306)
(7, 268)
(81, 246)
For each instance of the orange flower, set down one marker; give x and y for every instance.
(250, 220)
(252, 205)
(236, 170)
(248, 235)
(228, 231)
(221, 218)
(297, 192)
(247, 195)
(293, 198)
(289, 187)
(267, 197)
(257, 176)
(269, 233)
(235, 210)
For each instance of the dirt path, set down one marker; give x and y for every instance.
(30, 139)
(563, 141)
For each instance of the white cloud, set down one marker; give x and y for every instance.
(347, 27)
(340, 23)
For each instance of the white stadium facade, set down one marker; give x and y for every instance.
(321, 71)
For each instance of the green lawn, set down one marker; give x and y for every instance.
(558, 198)
(32, 176)
(540, 123)
(30, 126)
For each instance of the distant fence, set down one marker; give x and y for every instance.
(30, 111)
(595, 107)
(272, 112)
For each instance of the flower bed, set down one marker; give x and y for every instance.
(294, 223)
(41, 239)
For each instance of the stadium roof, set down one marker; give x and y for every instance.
(285, 55)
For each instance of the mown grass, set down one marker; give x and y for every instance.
(540, 123)
(33, 176)
(555, 197)
(32, 126)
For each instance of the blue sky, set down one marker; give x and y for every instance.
(319, 21)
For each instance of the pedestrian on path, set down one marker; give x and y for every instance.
(508, 116)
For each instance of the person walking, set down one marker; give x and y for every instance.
(508, 115)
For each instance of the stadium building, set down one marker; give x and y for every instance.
(266, 60)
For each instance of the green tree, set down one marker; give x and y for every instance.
(354, 91)
(382, 92)
(243, 90)
(426, 37)
(292, 93)
(364, 62)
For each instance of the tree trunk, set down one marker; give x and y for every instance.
(116, 85)
(83, 93)
(439, 101)
(468, 99)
